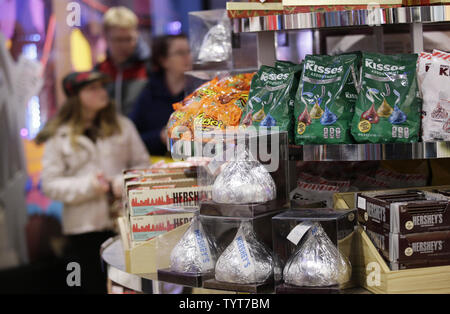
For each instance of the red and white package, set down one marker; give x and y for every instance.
(434, 86)
(307, 177)
(400, 180)
(367, 183)
(343, 186)
(314, 192)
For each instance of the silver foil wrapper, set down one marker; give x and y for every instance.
(317, 262)
(195, 252)
(216, 46)
(277, 268)
(245, 260)
(244, 182)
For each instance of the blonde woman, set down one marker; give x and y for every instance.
(87, 145)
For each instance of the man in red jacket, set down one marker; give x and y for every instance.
(127, 56)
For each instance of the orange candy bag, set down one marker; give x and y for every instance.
(215, 105)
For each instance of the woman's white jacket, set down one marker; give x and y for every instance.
(68, 173)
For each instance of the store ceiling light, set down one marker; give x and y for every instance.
(174, 28)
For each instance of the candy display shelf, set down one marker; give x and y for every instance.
(364, 152)
(354, 18)
(182, 149)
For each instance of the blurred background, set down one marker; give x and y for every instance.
(35, 38)
(38, 48)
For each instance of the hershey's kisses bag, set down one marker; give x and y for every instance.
(435, 83)
(271, 101)
(388, 107)
(279, 64)
(322, 112)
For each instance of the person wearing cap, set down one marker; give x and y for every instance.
(127, 57)
(87, 146)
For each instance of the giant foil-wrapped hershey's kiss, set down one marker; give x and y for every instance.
(216, 45)
(317, 262)
(195, 252)
(243, 181)
(245, 260)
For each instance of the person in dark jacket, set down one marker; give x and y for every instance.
(171, 57)
(127, 58)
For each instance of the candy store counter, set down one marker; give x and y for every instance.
(114, 259)
(112, 254)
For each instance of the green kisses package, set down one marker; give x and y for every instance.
(388, 107)
(271, 99)
(279, 64)
(322, 111)
(350, 90)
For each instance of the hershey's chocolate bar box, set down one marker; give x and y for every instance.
(412, 248)
(419, 264)
(403, 213)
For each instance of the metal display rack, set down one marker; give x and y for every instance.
(181, 149)
(415, 17)
(366, 152)
(266, 26)
(368, 17)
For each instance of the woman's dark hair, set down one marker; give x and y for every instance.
(160, 50)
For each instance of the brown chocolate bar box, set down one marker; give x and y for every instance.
(412, 248)
(404, 213)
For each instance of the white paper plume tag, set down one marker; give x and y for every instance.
(298, 232)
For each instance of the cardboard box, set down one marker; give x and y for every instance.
(418, 264)
(157, 184)
(148, 201)
(145, 258)
(374, 273)
(306, 6)
(424, 2)
(160, 183)
(144, 228)
(347, 200)
(253, 9)
(412, 248)
(405, 213)
(338, 2)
